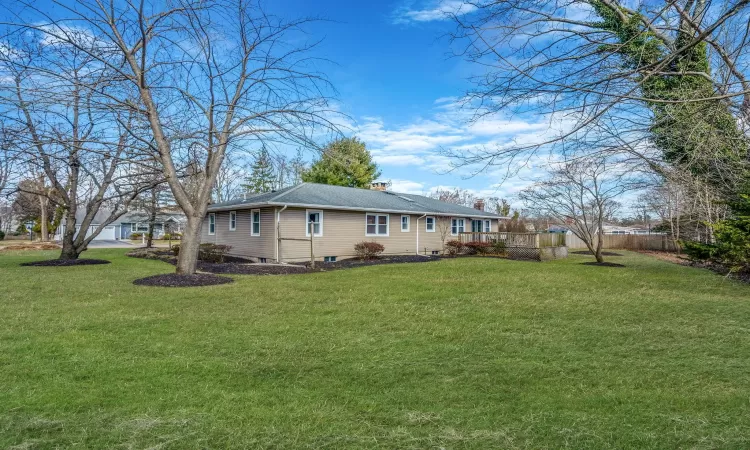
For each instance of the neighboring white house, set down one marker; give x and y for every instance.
(129, 223)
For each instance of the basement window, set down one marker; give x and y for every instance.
(329, 259)
(436, 252)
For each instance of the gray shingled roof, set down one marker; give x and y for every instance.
(133, 216)
(325, 196)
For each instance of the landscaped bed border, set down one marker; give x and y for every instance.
(239, 266)
(180, 280)
(65, 262)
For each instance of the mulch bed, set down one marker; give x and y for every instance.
(351, 263)
(588, 253)
(602, 264)
(251, 269)
(179, 280)
(65, 262)
(240, 266)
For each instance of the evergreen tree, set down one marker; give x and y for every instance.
(344, 162)
(262, 177)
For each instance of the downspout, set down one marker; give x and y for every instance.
(278, 233)
(417, 249)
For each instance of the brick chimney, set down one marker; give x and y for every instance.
(479, 204)
(379, 186)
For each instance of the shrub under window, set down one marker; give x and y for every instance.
(368, 250)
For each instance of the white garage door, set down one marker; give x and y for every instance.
(108, 233)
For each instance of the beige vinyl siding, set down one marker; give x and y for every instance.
(241, 240)
(343, 229)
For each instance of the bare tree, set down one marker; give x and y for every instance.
(581, 194)
(662, 84)
(443, 225)
(456, 196)
(208, 76)
(8, 158)
(75, 137)
(229, 178)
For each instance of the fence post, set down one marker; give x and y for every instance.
(312, 245)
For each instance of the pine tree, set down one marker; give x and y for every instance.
(262, 177)
(344, 162)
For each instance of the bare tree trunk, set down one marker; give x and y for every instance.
(187, 260)
(68, 238)
(599, 242)
(69, 250)
(44, 235)
(151, 220)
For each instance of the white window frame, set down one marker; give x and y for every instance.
(426, 228)
(462, 227)
(211, 224)
(487, 226)
(387, 224)
(252, 222)
(307, 222)
(232, 220)
(408, 223)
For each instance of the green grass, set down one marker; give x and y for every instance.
(464, 353)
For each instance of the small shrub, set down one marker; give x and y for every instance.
(697, 251)
(176, 236)
(2, 235)
(135, 236)
(477, 247)
(213, 252)
(498, 248)
(454, 247)
(368, 250)
(167, 237)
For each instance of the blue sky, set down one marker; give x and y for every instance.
(399, 85)
(391, 65)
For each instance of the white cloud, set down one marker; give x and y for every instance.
(419, 143)
(397, 160)
(433, 11)
(498, 126)
(407, 186)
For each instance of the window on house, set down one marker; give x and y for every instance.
(405, 223)
(329, 259)
(487, 226)
(376, 225)
(458, 226)
(436, 252)
(212, 223)
(314, 219)
(255, 218)
(232, 220)
(429, 224)
(476, 226)
(139, 227)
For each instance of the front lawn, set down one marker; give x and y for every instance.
(462, 353)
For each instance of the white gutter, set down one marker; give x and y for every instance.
(417, 253)
(349, 208)
(278, 234)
